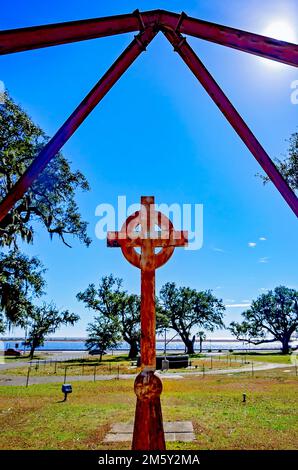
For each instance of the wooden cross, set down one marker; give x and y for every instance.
(139, 241)
(139, 231)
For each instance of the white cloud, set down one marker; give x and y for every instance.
(263, 239)
(252, 244)
(238, 305)
(220, 250)
(265, 259)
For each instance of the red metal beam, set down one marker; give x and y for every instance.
(205, 78)
(22, 39)
(257, 44)
(76, 118)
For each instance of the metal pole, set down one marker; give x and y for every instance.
(28, 374)
(224, 104)
(245, 41)
(65, 369)
(94, 375)
(25, 339)
(24, 39)
(21, 39)
(77, 117)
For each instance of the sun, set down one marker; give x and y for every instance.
(281, 30)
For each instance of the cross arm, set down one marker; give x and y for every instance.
(166, 239)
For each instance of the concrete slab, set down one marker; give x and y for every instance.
(169, 376)
(118, 437)
(121, 428)
(174, 431)
(178, 426)
(179, 436)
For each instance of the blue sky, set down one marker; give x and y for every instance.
(157, 132)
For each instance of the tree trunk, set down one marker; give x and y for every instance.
(189, 344)
(201, 345)
(32, 350)
(134, 349)
(285, 345)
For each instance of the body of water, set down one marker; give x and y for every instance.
(173, 346)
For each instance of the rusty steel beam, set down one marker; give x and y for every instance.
(245, 41)
(76, 118)
(224, 104)
(22, 39)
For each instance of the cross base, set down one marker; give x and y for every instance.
(148, 431)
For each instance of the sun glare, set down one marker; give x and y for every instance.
(281, 30)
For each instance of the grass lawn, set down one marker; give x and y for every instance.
(33, 418)
(85, 366)
(110, 365)
(266, 357)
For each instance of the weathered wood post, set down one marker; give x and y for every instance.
(139, 231)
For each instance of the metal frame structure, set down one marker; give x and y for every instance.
(148, 23)
(148, 427)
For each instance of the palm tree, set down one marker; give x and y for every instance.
(202, 337)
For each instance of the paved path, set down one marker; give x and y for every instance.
(21, 380)
(53, 356)
(12, 365)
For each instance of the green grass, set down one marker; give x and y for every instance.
(85, 366)
(266, 357)
(110, 365)
(33, 418)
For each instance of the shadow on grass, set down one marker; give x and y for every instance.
(95, 360)
(261, 354)
(22, 358)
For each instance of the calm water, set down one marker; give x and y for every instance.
(174, 345)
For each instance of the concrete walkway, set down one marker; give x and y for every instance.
(53, 356)
(21, 380)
